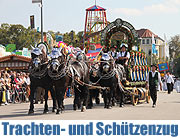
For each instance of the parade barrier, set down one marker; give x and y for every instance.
(4, 97)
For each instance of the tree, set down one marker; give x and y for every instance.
(177, 67)
(19, 35)
(174, 47)
(174, 51)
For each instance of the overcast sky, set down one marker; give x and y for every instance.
(160, 16)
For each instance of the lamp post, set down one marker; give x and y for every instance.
(41, 6)
(41, 21)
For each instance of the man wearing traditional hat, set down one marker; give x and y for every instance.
(153, 79)
(113, 52)
(123, 56)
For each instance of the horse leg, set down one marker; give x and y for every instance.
(97, 97)
(59, 105)
(90, 102)
(76, 99)
(62, 100)
(85, 96)
(105, 98)
(46, 104)
(53, 95)
(31, 99)
(113, 96)
(110, 96)
(58, 98)
(121, 99)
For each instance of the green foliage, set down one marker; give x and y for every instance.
(177, 67)
(73, 40)
(17, 34)
(25, 37)
(174, 47)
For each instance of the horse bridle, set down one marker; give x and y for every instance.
(60, 73)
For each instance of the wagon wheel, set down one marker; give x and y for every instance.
(134, 99)
(147, 96)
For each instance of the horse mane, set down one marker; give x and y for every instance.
(44, 53)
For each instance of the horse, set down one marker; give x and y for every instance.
(93, 93)
(109, 77)
(39, 77)
(57, 70)
(80, 77)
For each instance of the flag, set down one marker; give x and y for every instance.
(166, 47)
(163, 67)
(37, 29)
(94, 53)
(154, 51)
(25, 51)
(36, 1)
(10, 47)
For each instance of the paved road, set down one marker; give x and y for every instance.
(168, 108)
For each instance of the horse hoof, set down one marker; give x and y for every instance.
(30, 112)
(89, 107)
(113, 104)
(58, 112)
(53, 110)
(121, 105)
(45, 112)
(74, 107)
(109, 107)
(97, 101)
(83, 109)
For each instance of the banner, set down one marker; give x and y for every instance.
(32, 23)
(19, 53)
(10, 47)
(166, 47)
(154, 51)
(25, 52)
(59, 38)
(89, 128)
(163, 67)
(36, 1)
(94, 53)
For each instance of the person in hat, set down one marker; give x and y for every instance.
(123, 56)
(113, 52)
(153, 79)
(169, 82)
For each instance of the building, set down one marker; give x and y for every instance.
(146, 43)
(14, 62)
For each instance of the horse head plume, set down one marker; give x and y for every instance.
(84, 51)
(43, 47)
(32, 47)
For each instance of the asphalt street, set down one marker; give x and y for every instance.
(168, 108)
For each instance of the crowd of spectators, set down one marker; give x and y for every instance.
(14, 87)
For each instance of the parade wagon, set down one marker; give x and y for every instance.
(134, 86)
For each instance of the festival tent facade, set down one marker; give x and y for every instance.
(14, 62)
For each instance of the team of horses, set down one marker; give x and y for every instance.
(57, 73)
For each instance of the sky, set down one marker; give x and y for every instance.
(159, 16)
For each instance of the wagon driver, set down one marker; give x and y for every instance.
(113, 52)
(123, 56)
